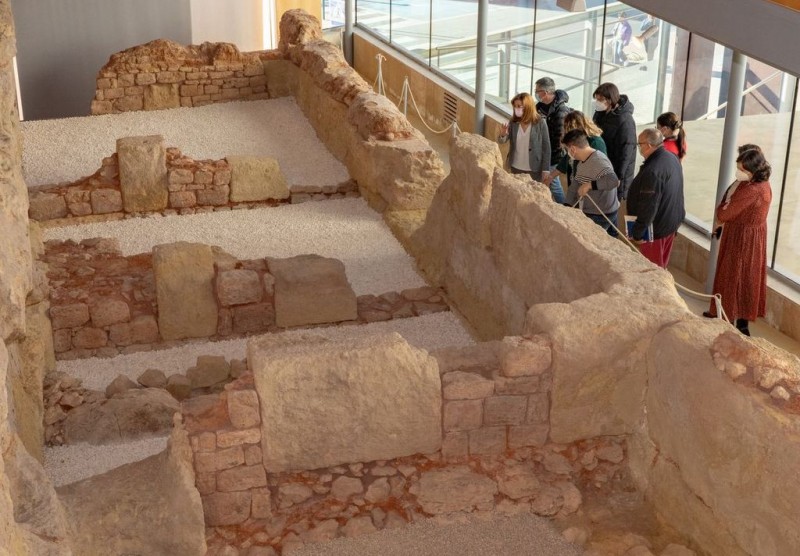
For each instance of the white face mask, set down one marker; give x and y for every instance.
(518, 112)
(741, 175)
(600, 106)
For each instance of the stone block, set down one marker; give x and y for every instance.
(143, 173)
(520, 436)
(69, 316)
(243, 477)
(463, 415)
(525, 357)
(371, 398)
(459, 385)
(129, 103)
(538, 408)
(90, 338)
(256, 179)
(455, 489)
(252, 454)
(228, 439)
(108, 310)
(216, 196)
(145, 78)
(152, 378)
(179, 386)
(211, 462)
(505, 410)
(182, 199)
(47, 206)
(105, 201)
(310, 289)
(210, 370)
(62, 340)
(243, 408)
(226, 508)
(239, 286)
(455, 445)
(181, 176)
(205, 413)
(184, 274)
(257, 317)
(487, 441)
(158, 96)
(262, 504)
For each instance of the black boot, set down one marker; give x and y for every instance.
(742, 326)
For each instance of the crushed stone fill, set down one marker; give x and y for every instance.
(68, 149)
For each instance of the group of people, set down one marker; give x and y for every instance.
(596, 156)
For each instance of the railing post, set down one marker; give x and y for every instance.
(480, 67)
(349, 23)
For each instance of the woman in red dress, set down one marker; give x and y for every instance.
(741, 277)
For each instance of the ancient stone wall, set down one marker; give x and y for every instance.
(163, 74)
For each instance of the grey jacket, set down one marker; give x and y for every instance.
(538, 148)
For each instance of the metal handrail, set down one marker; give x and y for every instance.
(745, 92)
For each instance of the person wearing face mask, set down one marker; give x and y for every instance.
(741, 278)
(577, 120)
(530, 141)
(655, 199)
(593, 177)
(551, 104)
(674, 136)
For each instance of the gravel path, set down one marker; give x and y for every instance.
(345, 229)
(429, 332)
(527, 535)
(70, 148)
(67, 464)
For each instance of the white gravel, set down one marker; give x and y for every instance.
(67, 464)
(67, 149)
(481, 535)
(344, 229)
(429, 332)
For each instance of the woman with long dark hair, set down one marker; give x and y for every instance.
(671, 127)
(741, 278)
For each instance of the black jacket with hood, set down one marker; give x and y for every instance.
(619, 133)
(554, 114)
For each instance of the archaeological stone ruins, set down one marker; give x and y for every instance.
(262, 402)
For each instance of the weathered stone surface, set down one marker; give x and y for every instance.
(525, 357)
(243, 408)
(256, 179)
(179, 386)
(463, 415)
(243, 477)
(108, 310)
(378, 491)
(69, 316)
(459, 385)
(238, 286)
(210, 370)
(158, 96)
(342, 415)
(345, 487)
(310, 289)
(375, 116)
(140, 330)
(89, 338)
(47, 206)
(184, 273)
(505, 410)
(120, 384)
(455, 445)
(226, 439)
(293, 493)
(455, 489)
(205, 413)
(488, 440)
(128, 415)
(527, 435)
(104, 201)
(154, 501)
(358, 526)
(713, 437)
(211, 462)
(518, 481)
(152, 378)
(143, 173)
(226, 508)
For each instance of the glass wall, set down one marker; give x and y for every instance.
(660, 67)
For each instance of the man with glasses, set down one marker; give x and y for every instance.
(655, 199)
(551, 104)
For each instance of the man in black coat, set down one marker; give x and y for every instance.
(655, 199)
(551, 104)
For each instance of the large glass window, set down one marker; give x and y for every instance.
(786, 203)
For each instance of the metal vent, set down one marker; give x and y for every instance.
(450, 108)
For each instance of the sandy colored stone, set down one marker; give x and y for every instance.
(239, 286)
(159, 96)
(152, 378)
(518, 481)
(256, 179)
(345, 487)
(47, 206)
(343, 415)
(154, 501)
(105, 311)
(243, 477)
(505, 410)
(487, 441)
(293, 493)
(455, 489)
(358, 526)
(69, 316)
(104, 201)
(525, 357)
(179, 386)
(226, 508)
(310, 289)
(184, 274)
(462, 415)
(143, 173)
(243, 408)
(120, 384)
(209, 370)
(458, 385)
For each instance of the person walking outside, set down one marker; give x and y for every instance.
(655, 199)
(594, 177)
(552, 106)
(530, 141)
(741, 278)
(671, 127)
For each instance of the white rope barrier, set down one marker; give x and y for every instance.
(717, 298)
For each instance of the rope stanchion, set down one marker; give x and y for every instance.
(381, 90)
(717, 298)
(414, 102)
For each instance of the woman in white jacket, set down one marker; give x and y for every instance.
(530, 141)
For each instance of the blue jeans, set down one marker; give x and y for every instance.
(602, 222)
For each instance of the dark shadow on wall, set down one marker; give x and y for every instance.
(61, 45)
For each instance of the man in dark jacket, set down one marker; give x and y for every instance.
(655, 199)
(551, 104)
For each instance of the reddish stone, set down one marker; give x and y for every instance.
(455, 445)
(69, 316)
(182, 199)
(105, 201)
(488, 440)
(90, 338)
(243, 408)
(226, 508)
(237, 287)
(47, 206)
(62, 340)
(205, 413)
(109, 310)
(538, 408)
(257, 317)
(262, 506)
(527, 435)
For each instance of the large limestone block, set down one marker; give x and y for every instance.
(325, 403)
(184, 274)
(728, 444)
(143, 173)
(310, 289)
(147, 507)
(159, 96)
(456, 489)
(599, 346)
(256, 178)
